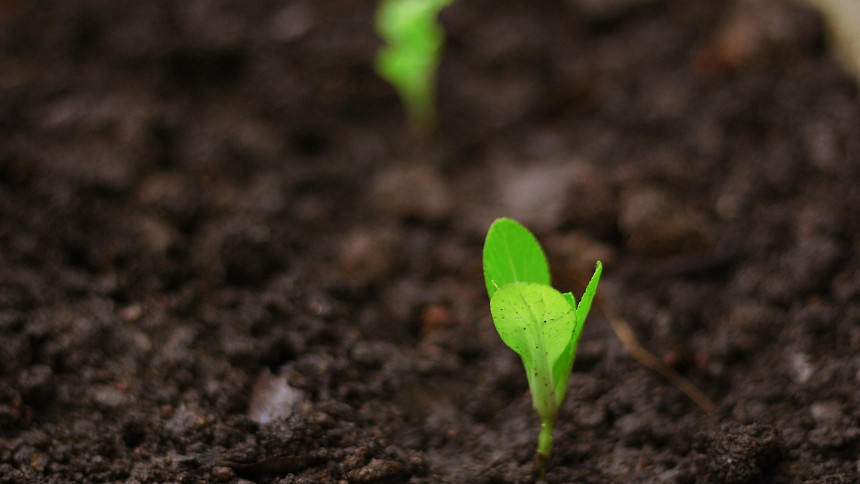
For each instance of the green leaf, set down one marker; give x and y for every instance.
(512, 254)
(588, 295)
(537, 322)
(563, 366)
(571, 299)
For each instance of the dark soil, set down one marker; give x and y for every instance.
(223, 257)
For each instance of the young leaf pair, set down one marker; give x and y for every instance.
(538, 322)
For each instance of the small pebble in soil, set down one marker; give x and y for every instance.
(272, 398)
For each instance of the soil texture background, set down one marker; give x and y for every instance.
(224, 257)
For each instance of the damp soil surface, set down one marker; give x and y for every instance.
(224, 257)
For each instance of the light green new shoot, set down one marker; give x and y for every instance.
(538, 322)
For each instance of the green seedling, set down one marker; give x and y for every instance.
(538, 322)
(410, 59)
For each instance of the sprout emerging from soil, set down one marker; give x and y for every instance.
(538, 322)
(410, 59)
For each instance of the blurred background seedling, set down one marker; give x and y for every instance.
(409, 60)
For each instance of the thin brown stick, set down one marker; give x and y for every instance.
(625, 334)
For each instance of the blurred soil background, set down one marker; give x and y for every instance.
(224, 258)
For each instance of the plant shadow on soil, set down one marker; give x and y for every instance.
(223, 258)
